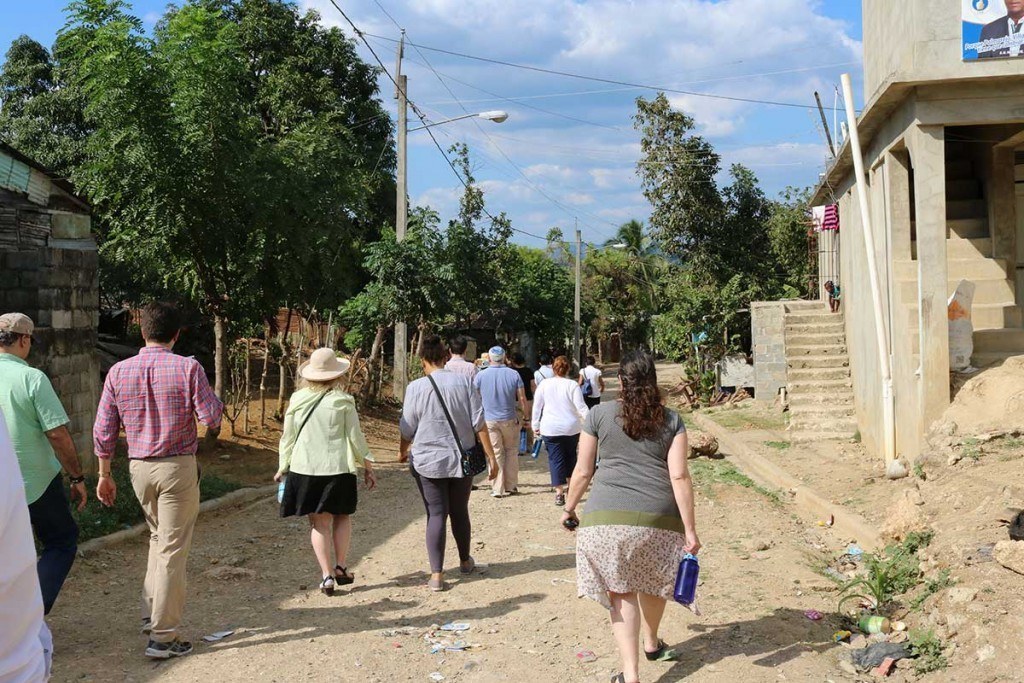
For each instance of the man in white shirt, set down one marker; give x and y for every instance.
(544, 371)
(457, 363)
(591, 374)
(25, 644)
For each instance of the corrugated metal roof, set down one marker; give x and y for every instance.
(14, 174)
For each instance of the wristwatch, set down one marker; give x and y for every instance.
(77, 480)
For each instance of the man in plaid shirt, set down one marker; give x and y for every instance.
(157, 396)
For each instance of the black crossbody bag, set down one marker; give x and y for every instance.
(474, 460)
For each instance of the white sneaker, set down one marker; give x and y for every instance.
(498, 495)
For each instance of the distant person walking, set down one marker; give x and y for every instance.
(591, 382)
(458, 363)
(639, 518)
(321, 450)
(26, 647)
(39, 431)
(558, 414)
(544, 372)
(500, 388)
(157, 396)
(434, 457)
(519, 365)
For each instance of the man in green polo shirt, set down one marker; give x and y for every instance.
(39, 430)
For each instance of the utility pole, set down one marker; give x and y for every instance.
(401, 379)
(576, 303)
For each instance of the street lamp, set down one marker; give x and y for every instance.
(401, 379)
(495, 116)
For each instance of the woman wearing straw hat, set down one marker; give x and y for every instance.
(322, 447)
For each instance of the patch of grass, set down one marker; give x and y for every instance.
(919, 471)
(778, 445)
(708, 472)
(928, 649)
(857, 436)
(891, 573)
(931, 587)
(971, 448)
(96, 520)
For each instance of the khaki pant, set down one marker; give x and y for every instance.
(168, 490)
(505, 441)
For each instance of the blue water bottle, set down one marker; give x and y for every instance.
(522, 441)
(686, 580)
(280, 491)
(535, 453)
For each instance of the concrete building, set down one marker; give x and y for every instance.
(48, 270)
(943, 144)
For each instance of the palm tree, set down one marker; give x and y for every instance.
(633, 238)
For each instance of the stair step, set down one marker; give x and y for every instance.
(821, 328)
(809, 362)
(818, 374)
(958, 269)
(983, 316)
(999, 341)
(812, 318)
(806, 306)
(815, 399)
(966, 208)
(967, 188)
(814, 340)
(967, 228)
(957, 248)
(992, 292)
(821, 409)
(803, 387)
(987, 359)
(841, 426)
(797, 351)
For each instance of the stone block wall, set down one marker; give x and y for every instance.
(49, 271)
(768, 334)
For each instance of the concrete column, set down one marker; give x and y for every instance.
(897, 193)
(928, 156)
(1002, 204)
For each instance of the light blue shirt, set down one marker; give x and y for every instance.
(434, 452)
(499, 387)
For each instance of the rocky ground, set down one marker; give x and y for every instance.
(254, 573)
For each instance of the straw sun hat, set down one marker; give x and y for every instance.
(323, 366)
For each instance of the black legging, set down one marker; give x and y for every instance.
(444, 498)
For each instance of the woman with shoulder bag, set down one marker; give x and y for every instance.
(444, 438)
(322, 447)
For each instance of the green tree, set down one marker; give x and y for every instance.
(208, 169)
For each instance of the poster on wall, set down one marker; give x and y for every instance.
(992, 29)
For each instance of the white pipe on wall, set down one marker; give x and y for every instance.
(888, 400)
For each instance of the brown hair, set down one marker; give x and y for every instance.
(160, 322)
(561, 366)
(435, 352)
(643, 415)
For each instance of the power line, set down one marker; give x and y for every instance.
(598, 79)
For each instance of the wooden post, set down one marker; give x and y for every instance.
(248, 370)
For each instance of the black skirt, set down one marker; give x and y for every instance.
(336, 494)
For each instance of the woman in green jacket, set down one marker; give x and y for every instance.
(322, 448)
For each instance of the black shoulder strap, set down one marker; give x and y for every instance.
(451, 424)
(310, 414)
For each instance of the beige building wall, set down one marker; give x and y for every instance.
(913, 41)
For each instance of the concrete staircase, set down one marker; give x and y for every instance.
(818, 369)
(997, 318)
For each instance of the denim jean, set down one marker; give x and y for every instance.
(58, 534)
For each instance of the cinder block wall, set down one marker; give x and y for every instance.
(768, 329)
(49, 271)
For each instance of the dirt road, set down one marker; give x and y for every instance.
(526, 622)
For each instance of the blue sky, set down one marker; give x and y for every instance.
(576, 158)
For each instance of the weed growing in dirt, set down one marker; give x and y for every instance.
(928, 650)
(919, 471)
(931, 587)
(971, 448)
(778, 445)
(890, 574)
(708, 472)
(96, 520)
(750, 418)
